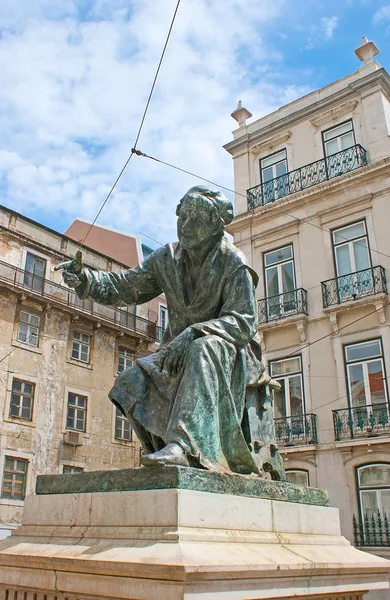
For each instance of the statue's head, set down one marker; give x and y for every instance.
(202, 215)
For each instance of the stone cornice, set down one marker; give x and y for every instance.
(270, 143)
(334, 113)
(380, 77)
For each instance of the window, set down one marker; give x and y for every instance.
(34, 272)
(338, 138)
(366, 377)
(274, 178)
(374, 490)
(22, 399)
(289, 400)
(70, 469)
(297, 476)
(28, 328)
(280, 282)
(163, 317)
(76, 412)
(14, 479)
(352, 254)
(125, 359)
(123, 429)
(81, 346)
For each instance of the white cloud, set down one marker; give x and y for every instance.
(328, 25)
(74, 80)
(321, 32)
(382, 15)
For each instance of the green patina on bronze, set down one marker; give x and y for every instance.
(201, 400)
(182, 478)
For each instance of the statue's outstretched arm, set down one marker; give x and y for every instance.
(134, 286)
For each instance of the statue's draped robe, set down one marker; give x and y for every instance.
(201, 408)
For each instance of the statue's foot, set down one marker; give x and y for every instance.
(172, 454)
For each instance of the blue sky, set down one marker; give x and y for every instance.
(75, 75)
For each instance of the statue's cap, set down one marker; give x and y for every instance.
(222, 204)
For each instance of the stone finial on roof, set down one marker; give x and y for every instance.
(367, 50)
(241, 114)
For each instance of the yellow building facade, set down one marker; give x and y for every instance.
(59, 357)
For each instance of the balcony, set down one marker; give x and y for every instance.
(354, 286)
(63, 296)
(282, 306)
(371, 531)
(358, 422)
(306, 177)
(296, 431)
(159, 334)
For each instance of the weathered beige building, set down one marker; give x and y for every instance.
(312, 184)
(59, 357)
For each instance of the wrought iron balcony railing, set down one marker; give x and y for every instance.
(354, 286)
(282, 306)
(361, 421)
(64, 296)
(296, 431)
(372, 530)
(305, 177)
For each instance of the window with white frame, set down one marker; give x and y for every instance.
(280, 281)
(72, 469)
(163, 317)
(123, 429)
(125, 359)
(28, 327)
(366, 377)
(373, 482)
(22, 399)
(338, 138)
(289, 399)
(34, 272)
(352, 256)
(274, 178)
(81, 346)
(76, 416)
(14, 478)
(298, 476)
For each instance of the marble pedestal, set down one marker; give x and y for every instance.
(170, 544)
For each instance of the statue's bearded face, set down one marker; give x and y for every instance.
(196, 223)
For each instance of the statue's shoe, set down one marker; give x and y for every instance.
(172, 454)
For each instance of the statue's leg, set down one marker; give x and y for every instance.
(131, 386)
(206, 413)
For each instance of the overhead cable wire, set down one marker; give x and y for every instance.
(185, 171)
(140, 127)
(339, 329)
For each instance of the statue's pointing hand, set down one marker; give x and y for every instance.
(72, 271)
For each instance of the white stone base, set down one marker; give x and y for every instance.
(175, 544)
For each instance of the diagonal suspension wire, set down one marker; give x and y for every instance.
(140, 127)
(144, 155)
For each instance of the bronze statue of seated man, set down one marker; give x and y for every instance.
(186, 402)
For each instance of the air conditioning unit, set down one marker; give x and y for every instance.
(73, 438)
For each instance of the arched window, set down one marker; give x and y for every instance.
(298, 476)
(373, 483)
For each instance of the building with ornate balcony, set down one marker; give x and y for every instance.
(312, 196)
(59, 357)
